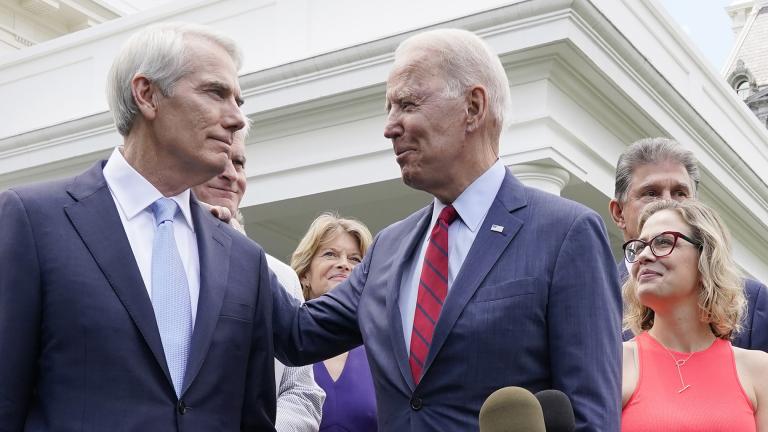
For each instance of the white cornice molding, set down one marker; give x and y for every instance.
(699, 132)
(124, 25)
(584, 48)
(56, 151)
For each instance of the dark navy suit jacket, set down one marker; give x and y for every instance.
(754, 335)
(80, 346)
(536, 305)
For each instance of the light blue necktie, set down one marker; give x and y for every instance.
(170, 292)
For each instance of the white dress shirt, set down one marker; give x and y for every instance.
(472, 206)
(133, 195)
(299, 398)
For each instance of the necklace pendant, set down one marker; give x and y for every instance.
(684, 388)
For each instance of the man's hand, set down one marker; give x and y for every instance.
(225, 215)
(220, 212)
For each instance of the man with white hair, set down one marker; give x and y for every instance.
(124, 305)
(492, 284)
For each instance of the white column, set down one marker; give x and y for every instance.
(545, 177)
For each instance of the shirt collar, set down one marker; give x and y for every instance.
(133, 193)
(473, 204)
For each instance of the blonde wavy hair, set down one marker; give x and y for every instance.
(722, 303)
(322, 230)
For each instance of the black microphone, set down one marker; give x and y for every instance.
(511, 409)
(558, 412)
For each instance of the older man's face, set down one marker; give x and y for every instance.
(196, 123)
(650, 182)
(227, 188)
(426, 127)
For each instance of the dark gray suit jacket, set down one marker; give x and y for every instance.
(80, 346)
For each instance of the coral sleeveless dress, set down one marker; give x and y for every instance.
(714, 401)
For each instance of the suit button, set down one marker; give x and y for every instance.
(416, 403)
(182, 407)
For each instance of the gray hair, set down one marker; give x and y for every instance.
(648, 151)
(466, 60)
(160, 53)
(246, 129)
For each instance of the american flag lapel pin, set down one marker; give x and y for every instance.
(497, 228)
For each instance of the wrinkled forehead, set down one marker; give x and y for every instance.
(210, 58)
(662, 172)
(414, 68)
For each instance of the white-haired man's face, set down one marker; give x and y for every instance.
(426, 127)
(195, 125)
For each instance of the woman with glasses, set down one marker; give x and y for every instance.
(325, 257)
(684, 301)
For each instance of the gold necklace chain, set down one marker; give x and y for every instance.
(679, 363)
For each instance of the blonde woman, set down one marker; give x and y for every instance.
(325, 257)
(683, 301)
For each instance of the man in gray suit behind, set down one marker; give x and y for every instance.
(493, 284)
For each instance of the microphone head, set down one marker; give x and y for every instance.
(558, 412)
(511, 409)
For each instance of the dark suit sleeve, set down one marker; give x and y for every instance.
(20, 312)
(584, 314)
(259, 407)
(756, 326)
(323, 327)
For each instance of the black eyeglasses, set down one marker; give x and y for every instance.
(661, 245)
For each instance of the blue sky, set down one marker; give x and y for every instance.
(707, 25)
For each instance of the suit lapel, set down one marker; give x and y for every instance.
(404, 256)
(95, 218)
(486, 250)
(213, 246)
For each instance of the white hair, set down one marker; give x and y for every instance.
(160, 53)
(246, 129)
(466, 60)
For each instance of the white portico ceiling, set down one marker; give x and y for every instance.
(24, 23)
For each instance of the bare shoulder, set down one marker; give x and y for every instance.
(630, 372)
(630, 360)
(630, 348)
(753, 361)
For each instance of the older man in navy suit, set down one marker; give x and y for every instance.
(124, 305)
(659, 168)
(492, 284)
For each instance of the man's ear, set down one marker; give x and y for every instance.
(145, 94)
(477, 107)
(617, 214)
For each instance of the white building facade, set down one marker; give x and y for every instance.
(588, 77)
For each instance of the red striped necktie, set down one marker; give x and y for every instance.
(433, 287)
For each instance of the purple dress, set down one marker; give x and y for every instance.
(350, 402)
